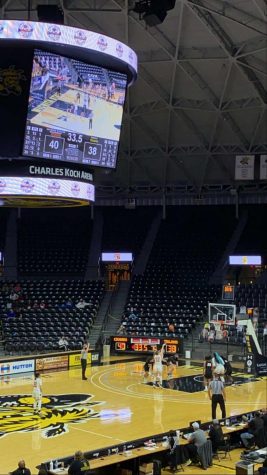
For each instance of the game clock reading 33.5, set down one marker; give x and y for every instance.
(75, 111)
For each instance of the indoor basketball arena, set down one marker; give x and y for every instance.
(133, 256)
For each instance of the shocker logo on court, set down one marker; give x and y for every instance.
(16, 413)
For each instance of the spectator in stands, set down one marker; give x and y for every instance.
(42, 304)
(21, 470)
(225, 332)
(11, 313)
(204, 334)
(121, 330)
(63, 343)
(81, 304)
(17, 288)
(132, 315)
(69, 303)
(80, 465)
(211, 336)
(13, 296)
(171, 328)
(5, 287)
(254, 426)
(35, 304)
(196, 440)
(243, 309)
(216, 435)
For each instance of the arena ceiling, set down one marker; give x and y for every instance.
(200, 98)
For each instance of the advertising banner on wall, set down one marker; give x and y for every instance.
(16, 367)
(52, 362)
(75, 360)
(244, 167)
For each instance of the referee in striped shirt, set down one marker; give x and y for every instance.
(217, 395)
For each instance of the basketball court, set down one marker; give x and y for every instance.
(53, 112)
(113, 406)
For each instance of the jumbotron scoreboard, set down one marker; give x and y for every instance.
(136, 344)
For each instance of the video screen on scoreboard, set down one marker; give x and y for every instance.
(74, 112)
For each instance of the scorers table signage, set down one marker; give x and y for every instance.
(145, 344)
(52, 362)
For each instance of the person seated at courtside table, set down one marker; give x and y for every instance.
(63, 343)
(21, 470)
(80, 465)
(216, 435)
(172, 444)
(196, 440)
(263, 469)
(254, 427)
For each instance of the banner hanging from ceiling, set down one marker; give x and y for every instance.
(263, 167)
(244, 167)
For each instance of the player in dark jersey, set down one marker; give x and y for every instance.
(147, 368)
(207, 371)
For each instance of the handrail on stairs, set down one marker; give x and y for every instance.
(102, 338)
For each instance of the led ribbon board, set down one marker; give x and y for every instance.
(116, 257)
(245, 260)
(87, 41)
(27, 185)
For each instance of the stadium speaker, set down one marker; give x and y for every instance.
(50, 14)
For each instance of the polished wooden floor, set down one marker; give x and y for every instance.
(112, 406)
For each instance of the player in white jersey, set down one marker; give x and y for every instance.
(157, 367)
(37, 393)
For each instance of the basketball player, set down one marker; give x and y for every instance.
(147, 369)
(218, 365)
(37, 393)
(170, 373)
(157, 368)
(207, 371)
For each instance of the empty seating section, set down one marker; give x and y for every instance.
(125, 230)
(53, 242)
(45, 310)
(88, 71)
(117, 79)
(173, 293)
(254, 237)
(253, 296)
(158, 304)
